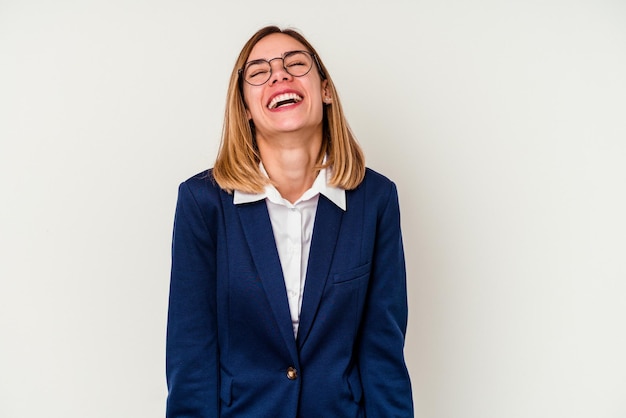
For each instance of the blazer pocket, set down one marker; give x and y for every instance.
(352, 274)
(226, 388)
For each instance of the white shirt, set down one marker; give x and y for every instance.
(292, 224)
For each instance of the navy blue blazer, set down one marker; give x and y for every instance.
(231, 351)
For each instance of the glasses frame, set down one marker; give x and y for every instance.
(282, 58)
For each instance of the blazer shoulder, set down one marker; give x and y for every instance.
(374, 193)
(376, 179)
(203, 188)
(377, 185)
(202, 179)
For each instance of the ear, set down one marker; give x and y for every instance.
(326, 97)
(248, 115)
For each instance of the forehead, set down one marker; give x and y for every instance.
(274, 45)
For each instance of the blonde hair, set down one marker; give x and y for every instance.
(237, 163)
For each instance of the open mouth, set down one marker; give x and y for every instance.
(285, 99)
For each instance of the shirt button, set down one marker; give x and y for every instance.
(292, 373)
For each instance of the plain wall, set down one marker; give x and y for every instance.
(503, 124)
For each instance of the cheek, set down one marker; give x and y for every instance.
(250, 101)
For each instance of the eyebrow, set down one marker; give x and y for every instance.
(255, 61)
(249, 61)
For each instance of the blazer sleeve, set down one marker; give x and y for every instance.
(384, 376)
(191, 349)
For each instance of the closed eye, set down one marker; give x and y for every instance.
(257, 73)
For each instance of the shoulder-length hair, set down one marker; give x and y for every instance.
(237, 163)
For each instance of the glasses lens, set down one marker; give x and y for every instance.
(297, 63)
(257, 72)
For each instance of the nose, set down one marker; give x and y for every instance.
(278, 71)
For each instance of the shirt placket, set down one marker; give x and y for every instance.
(294, 226)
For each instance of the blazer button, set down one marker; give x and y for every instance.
(292, 373)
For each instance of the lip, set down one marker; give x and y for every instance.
(279, 92)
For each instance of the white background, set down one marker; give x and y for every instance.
(502, 122)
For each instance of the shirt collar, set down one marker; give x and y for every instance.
(336, 195)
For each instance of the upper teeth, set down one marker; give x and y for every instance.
(283, 97)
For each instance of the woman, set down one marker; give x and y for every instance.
(288, 289)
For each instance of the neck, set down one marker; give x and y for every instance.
(290, 163)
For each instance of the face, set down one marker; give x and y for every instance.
(284, 104)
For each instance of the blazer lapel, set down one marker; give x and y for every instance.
(260, 237)
(325, 234)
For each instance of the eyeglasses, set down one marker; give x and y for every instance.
(296, 63)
